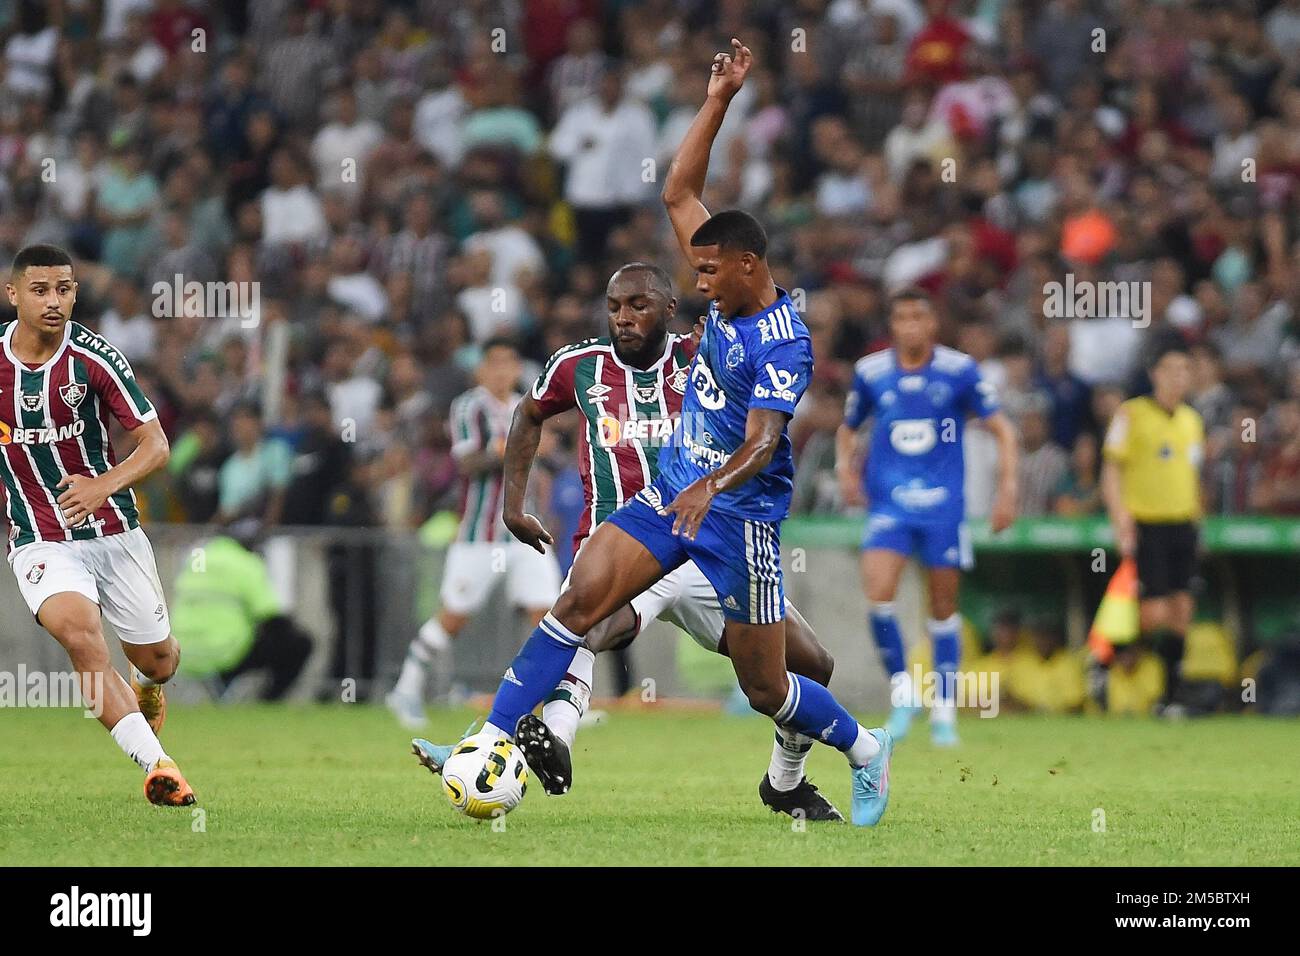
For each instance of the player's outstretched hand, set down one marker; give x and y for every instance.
(729, 70)
(530, 531)
(690, 507)
(83, 497)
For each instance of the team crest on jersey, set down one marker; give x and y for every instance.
(678, 382)
(645, 394)
(735, 355)
(35, 573)
(32, 402)
(940, 393)
(598, 391)
(72, 394)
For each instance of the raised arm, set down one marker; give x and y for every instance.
(684, 184)
(521, 451)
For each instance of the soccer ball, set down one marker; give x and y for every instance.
(483, 781)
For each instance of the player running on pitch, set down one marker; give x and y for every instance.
(723, 486)
(480, 421)
(919, 395)
(75, 541)
(629, 387)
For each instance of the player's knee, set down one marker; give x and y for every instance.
(766, 697)
(576, 609)
(942, 607)
(158, 662)
(825, 665)
(85, 646)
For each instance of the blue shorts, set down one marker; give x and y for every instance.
(941, 544)
(740, 557)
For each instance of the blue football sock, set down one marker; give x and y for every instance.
(884, 628)
(540, 664)
(946, 635)
(813, 710)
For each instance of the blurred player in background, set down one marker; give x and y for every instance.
(482, 551)
(75, 541)
(1151, 482)
(919, 395)
(629, 387)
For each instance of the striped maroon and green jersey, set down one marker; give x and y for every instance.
(54, 422)
(630, 415)
(479, 422)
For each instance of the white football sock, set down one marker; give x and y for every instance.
(431, 641)
(863, 749)
(902, 690)
(141, 679)
(943, 712)
(137, 739)
(789, 755)
(568, 702)
(492, 731)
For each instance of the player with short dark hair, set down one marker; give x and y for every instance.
(75, 541)
(723, 488)
(919, 395)
(629, 387)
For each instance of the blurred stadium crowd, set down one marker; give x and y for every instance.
(404, 180)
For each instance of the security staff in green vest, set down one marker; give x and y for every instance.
(228, 619)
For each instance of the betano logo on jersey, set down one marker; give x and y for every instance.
(654, 432)
(40, 436)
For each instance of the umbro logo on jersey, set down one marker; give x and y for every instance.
(510, 676)
(598, 391)
(35, 574)
(32, 402)
(72, 394)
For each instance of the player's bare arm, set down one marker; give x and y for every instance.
(849, 458)
(763, 430)
(1008, 493)
(521, 450)
(684, 186)
(82, 495)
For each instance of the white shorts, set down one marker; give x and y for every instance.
(685, 598)
(117, 572)
(473, 568)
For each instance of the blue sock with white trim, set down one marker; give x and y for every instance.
(540, 664)
(889, 639)
(813, 710)
(946, 635)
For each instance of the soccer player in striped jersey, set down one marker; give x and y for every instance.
(629, 387)
(723, 486)
(75, 542)
(483, 552)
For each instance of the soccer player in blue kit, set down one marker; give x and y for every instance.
(723, 486)
(919, 395)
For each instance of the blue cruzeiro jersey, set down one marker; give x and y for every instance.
(754, 361)
(915, 465)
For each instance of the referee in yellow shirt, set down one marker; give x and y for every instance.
(1151, 484)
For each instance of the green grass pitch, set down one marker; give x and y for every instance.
(336, 785)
